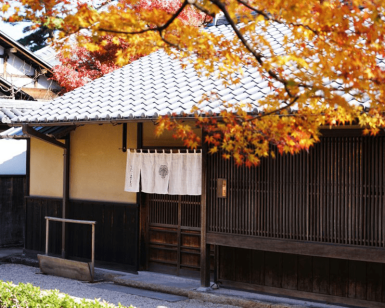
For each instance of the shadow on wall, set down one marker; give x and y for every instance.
(14, 166)
(12, 157)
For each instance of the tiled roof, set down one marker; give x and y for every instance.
(51, 131)
(49, 54)
(14, 108)
(13, 133)
(151, 86)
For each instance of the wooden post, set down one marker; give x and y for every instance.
(205, 249)
(124, 136)
(139, 135)
(179, 236)
(66, 164)
(28, 167)
(27, 181)
(93, 252)
(141, 200)
(46, 235)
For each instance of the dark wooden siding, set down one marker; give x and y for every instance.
(296, 275)
(12, 191)
(173, 234)
(333, 194)
(36, 210)
(116, 238)
(318, 216)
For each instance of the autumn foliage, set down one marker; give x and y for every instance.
(329, 65)
(80, 65)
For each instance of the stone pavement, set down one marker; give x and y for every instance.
(191, 288)
(159, 283)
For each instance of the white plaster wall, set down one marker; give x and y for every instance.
(17, 66)
(13, 157)
(21, 82)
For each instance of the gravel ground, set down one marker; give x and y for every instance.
(21, 273)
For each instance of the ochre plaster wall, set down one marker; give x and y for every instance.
(97, 168)
(46, 169)
(97, 165)
(164, 140)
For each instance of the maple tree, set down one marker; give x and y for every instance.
(80, 65)
(330, 61)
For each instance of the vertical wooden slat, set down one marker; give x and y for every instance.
(205, 249)
(322, 191)
(383, 192)
(332, 194)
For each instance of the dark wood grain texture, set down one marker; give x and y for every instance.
(12, 212)
(332, 194)
(117, 229)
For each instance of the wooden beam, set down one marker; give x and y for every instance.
(347, 252)
(11, 50)
(65, 268)
(139, 133)
(35, 134)
(31, 56)
(205, 248)
(27, 181)
(124, 137)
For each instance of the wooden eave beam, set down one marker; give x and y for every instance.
(31, 57)
(33, 133)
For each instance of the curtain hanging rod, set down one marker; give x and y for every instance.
(163, 150)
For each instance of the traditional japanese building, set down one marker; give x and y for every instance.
(25, 84)
(310, 225)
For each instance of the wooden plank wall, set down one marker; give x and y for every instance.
(173, 234)
(36, 210)
(116, 238)
(299, 275)
(333, 194)
(12, 191)
(116, 232)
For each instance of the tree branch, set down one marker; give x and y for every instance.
(160, 29)
(256, 55)
(268, 17)
(294, 100)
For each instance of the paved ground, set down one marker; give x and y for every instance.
(145, 289)
(4, 252)
(21, 273)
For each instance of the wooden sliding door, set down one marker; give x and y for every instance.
(173, 237)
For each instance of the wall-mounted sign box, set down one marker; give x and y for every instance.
(221, 188)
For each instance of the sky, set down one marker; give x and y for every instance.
(16, 31)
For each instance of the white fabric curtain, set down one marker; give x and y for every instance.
(164, 173)
(186, 174)
(133, 166)
(156, 172)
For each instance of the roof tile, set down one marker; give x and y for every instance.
(157, 85)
